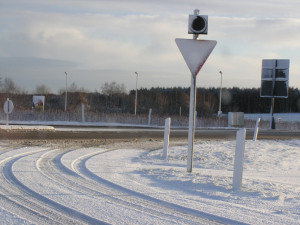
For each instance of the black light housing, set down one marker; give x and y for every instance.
(198, 24)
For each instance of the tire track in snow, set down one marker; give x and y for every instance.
(68, 178)
(33, 206)
(177, 211)
(13, 199)
(79, 180)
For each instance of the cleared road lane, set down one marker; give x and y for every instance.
(136, 133)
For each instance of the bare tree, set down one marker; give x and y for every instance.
(73, 88)
(113, 88)
(42, 89)
(0, 81)
(9, 86)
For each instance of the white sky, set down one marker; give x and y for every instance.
(98, 41)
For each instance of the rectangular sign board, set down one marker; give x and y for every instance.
(275, 78)
(38, 102)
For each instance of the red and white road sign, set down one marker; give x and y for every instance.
(195, 52)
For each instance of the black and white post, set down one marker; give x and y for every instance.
(8, 108)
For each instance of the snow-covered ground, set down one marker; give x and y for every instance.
(283, 117)
(128, 184)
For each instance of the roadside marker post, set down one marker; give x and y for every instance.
(82, 113)
(239, 159)
(166, 137)
(149, 117)
(195, 53)
(256, 129)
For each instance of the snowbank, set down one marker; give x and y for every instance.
(26, 128)
(270, 192)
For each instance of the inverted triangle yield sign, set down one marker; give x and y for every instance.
(195, 52)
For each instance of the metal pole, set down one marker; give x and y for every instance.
(136, 82)
(273, 126)
(220, 101)
(191, 133)
(66, 97)
(7, 117)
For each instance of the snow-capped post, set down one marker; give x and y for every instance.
(195, 53)
(166, 137)
(256, 129)
(8, 108)
(239, 159)
(82, 113)
(149, 117)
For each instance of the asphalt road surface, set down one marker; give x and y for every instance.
(137, 133)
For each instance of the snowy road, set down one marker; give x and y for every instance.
(44, 186)
(128, 182)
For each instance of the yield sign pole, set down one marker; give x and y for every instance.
(191, 134)
(195, 53)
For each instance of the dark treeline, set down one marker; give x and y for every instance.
(164, 101)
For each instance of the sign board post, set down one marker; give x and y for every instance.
(274, 82)
(191, 133)
(195, 53)
(8, 108)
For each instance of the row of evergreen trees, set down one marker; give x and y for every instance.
(164, 101)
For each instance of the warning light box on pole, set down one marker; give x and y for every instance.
(195, 53)
(275, 78)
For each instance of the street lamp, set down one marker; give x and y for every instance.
(220, 101)
(66, 91)
(136, 92)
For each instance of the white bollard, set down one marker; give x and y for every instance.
(82, 113)
(149, 117)
(239, 159)
(256, 129)
(166, 138)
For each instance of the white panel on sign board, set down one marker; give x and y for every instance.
(195, 52)
(267, 73)
(269, 63)
(283, 63)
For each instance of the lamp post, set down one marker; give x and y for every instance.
(136, 81)
(66, 92)
(220, 101)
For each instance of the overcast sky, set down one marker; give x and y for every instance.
(98, 41)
